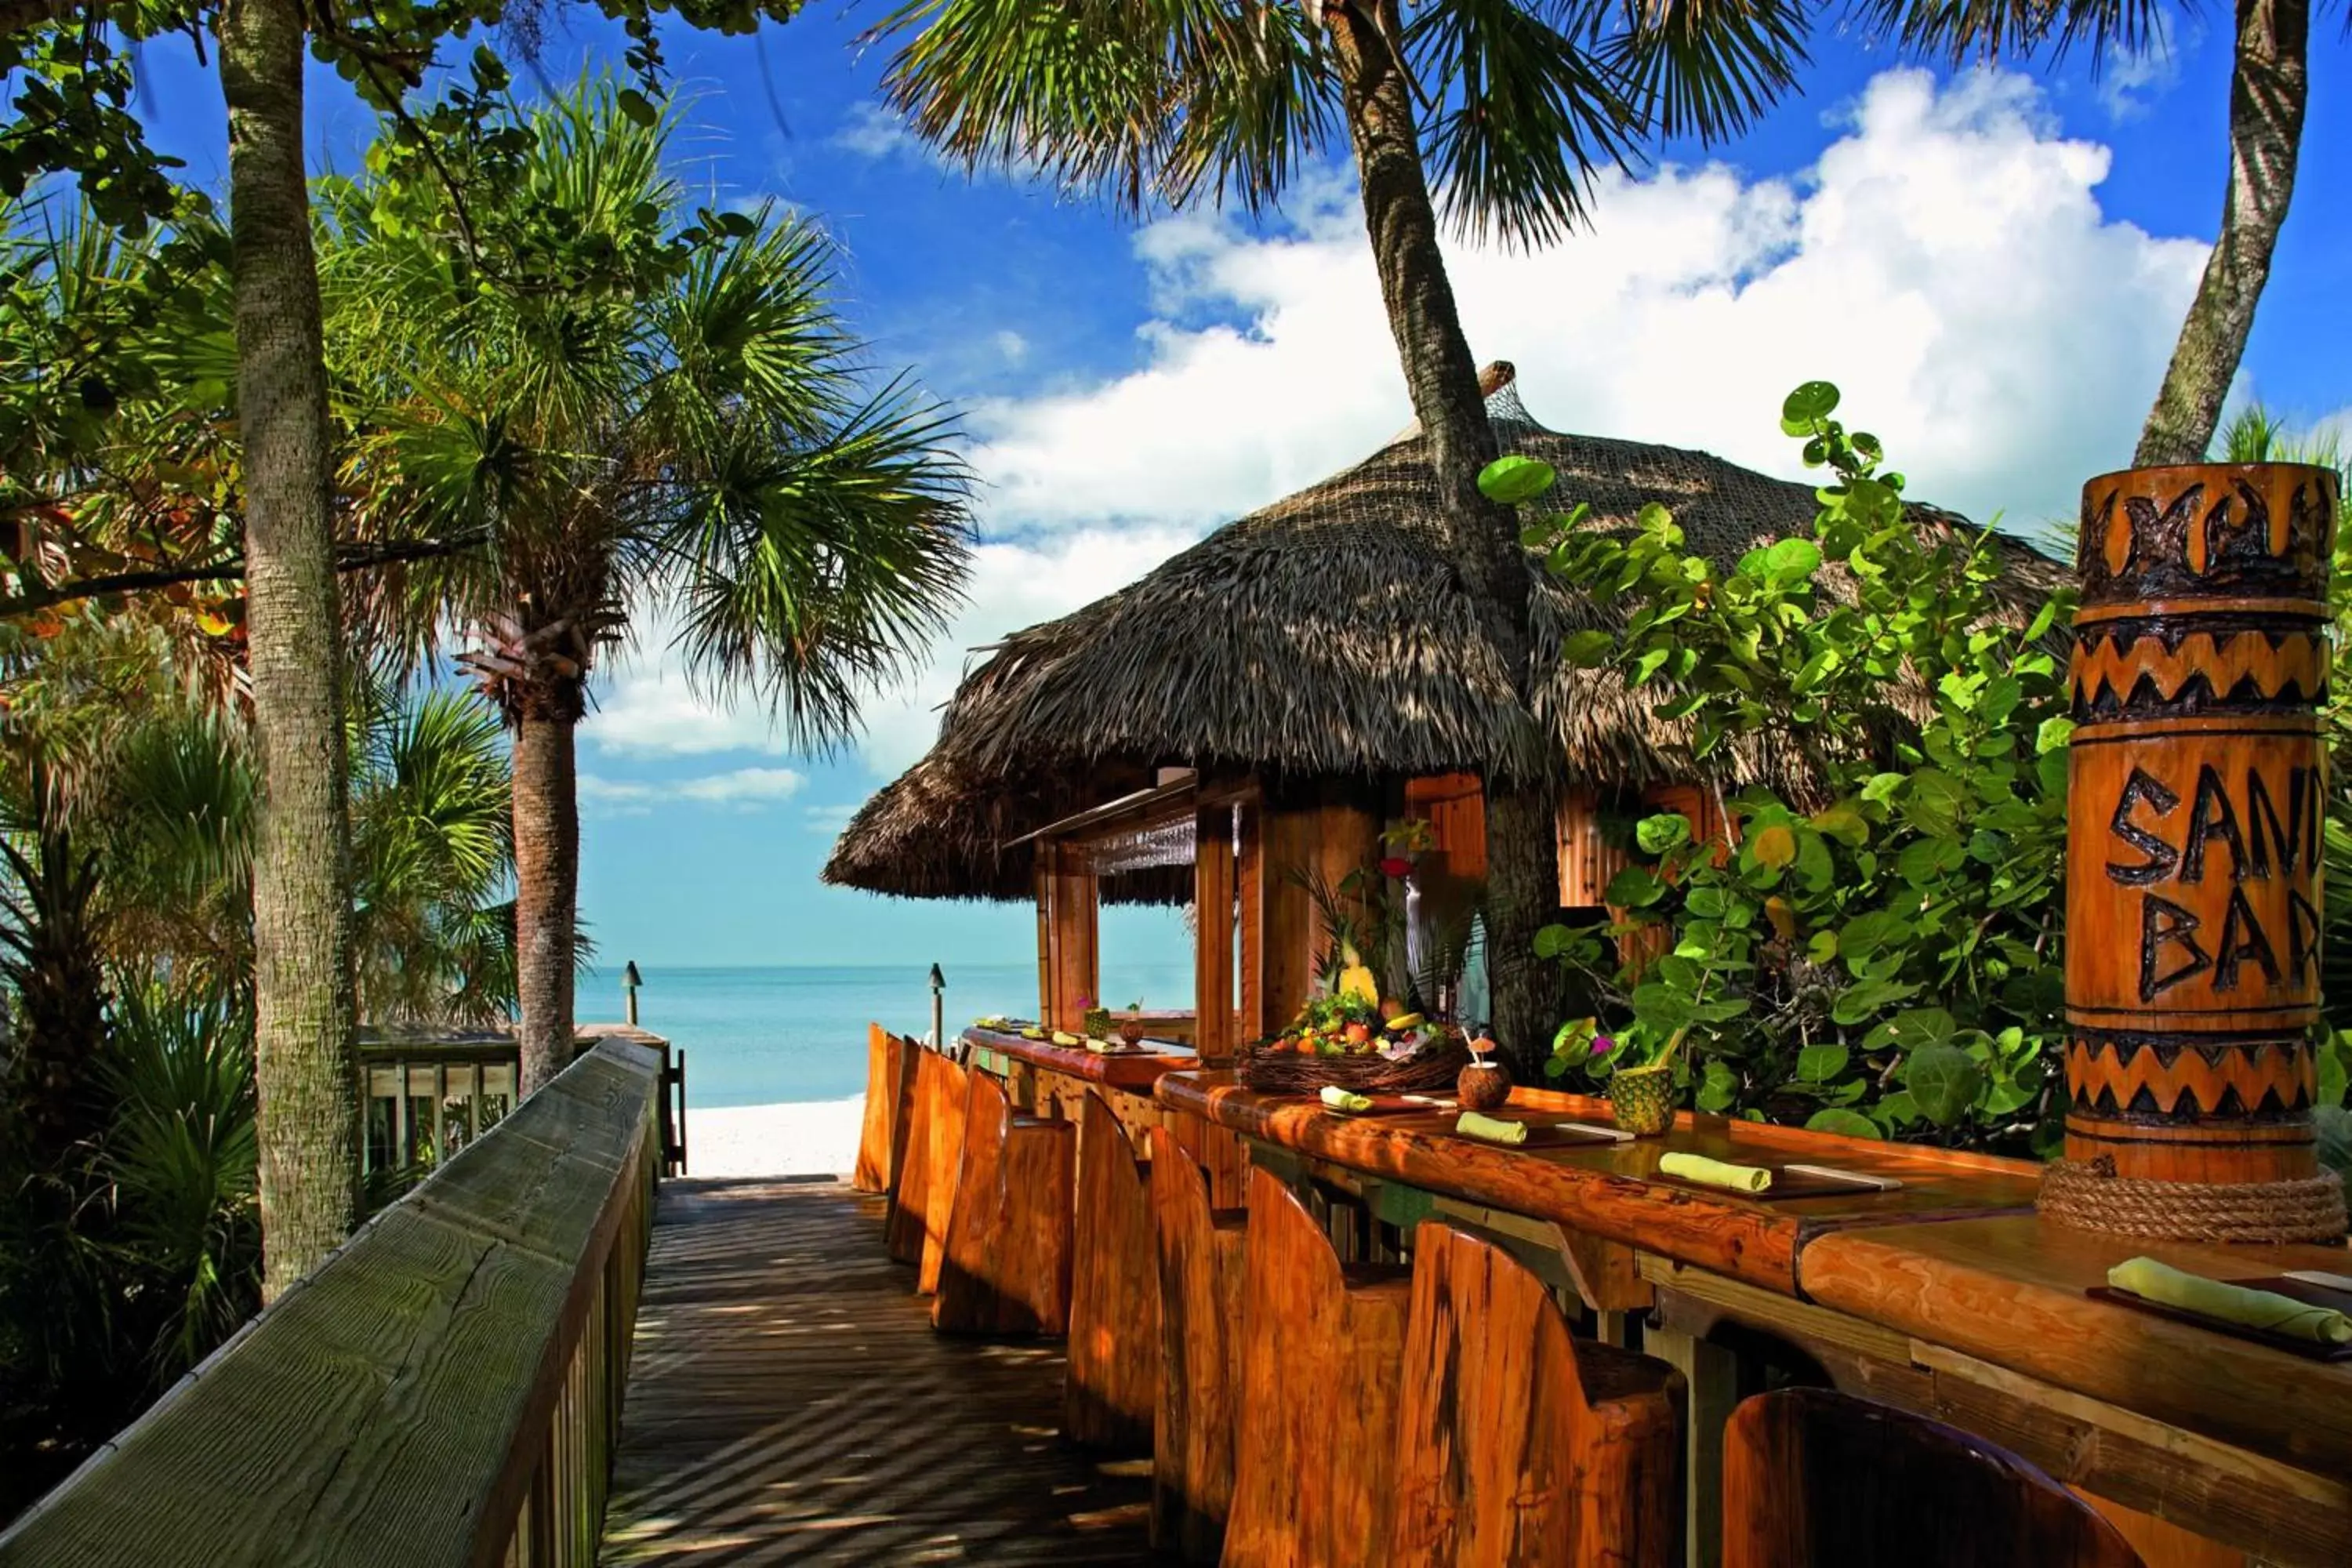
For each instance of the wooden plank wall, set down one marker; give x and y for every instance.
(445, 1391)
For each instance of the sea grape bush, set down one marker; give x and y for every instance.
(1876, 950)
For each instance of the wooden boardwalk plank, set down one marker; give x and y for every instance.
(788, 1402)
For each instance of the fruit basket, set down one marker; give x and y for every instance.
(1343, 1040)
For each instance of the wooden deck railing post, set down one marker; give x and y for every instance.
(445, 1391)
(2196, 786)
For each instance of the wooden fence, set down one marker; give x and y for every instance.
(446, 1390)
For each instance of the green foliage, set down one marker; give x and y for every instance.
(637, 405)
(1881, 950)
(1178, 105)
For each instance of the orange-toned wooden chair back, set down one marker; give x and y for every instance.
(1314, 1466)
(890, 1066)
(942, 1159)
(1006, 1261)
(1201, 1306)
(1517, 1443)
(1813, 1478)
(902, 1227)
(1112, 1380)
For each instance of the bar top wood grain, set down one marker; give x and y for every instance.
(1608, 1189)
(1137, 1069)
(2009, 1291)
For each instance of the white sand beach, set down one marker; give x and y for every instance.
(803, 1139)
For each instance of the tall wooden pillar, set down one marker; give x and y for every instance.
(1213, 938)
(1068, 914)
(2197, 781)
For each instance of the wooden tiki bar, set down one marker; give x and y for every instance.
(2196, 798)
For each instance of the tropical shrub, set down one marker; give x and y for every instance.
(1876, 951)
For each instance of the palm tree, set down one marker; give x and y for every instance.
(645, 414)
(2269, 86)
(1511, 105)
(304, 1017)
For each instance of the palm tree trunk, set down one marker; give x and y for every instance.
(2268, 89)
(547, 884)
(1522, 888)
(303, 1022)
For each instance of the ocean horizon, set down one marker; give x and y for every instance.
(780, 1034)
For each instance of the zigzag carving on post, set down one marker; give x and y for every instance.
(2271, 1078)
(2154, 534)
(2296, 668)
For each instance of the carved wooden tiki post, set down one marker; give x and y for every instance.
(2196, 794)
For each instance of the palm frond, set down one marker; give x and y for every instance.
(814, 572)
(1529, 112)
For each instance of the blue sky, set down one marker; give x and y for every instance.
(1993, 265)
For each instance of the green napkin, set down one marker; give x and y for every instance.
(1715, 1172)
(1493, 1129)
(1339, 1098)
(2230, 1303)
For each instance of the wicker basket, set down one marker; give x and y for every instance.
(1431, 1069)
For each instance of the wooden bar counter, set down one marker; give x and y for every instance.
(1133, 1071)
(1603, 1190)
(1947, 1296)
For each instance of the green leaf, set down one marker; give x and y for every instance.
(1776, 846)
(1793, 560)
(1718, 1089)
(1944, 1081)
(2054, 732)
(1634, 888)
(1656, 835)
(1513, 480)
(1588, 650)
(1859, 1001)
(1850, 1124)
(1821, 1063)
(635, 107)
(1810, 401)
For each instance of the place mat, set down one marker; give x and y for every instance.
(1382, 1105)
(1540, 1135)
(1787, 1182)
(2278, 1285)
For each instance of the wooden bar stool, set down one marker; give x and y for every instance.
(1516, 1444)
(1112, 1379)
(890, 1064)
(1005, 1268)
(1200, 1272)
(1315, 1464)
(942, 1162)
(902, 1226)
(1813, 1478)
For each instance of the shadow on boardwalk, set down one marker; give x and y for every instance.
(790, 1404)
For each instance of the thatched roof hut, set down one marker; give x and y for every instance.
(1326, 635)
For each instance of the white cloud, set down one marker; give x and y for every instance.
(744, 789)
(871, 130)
(646, 708)
(1945, 262)
(1012, 346)
(2129, 85)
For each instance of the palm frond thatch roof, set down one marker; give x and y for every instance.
(1327, 634)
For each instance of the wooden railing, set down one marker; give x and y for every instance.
(446, 1390)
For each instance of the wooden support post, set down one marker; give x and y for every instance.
(1249, 919)
(1712, 1375)
(1069, 911)
(1212, 942)
(2196, 778)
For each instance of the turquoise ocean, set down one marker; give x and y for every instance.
(758, 1037)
